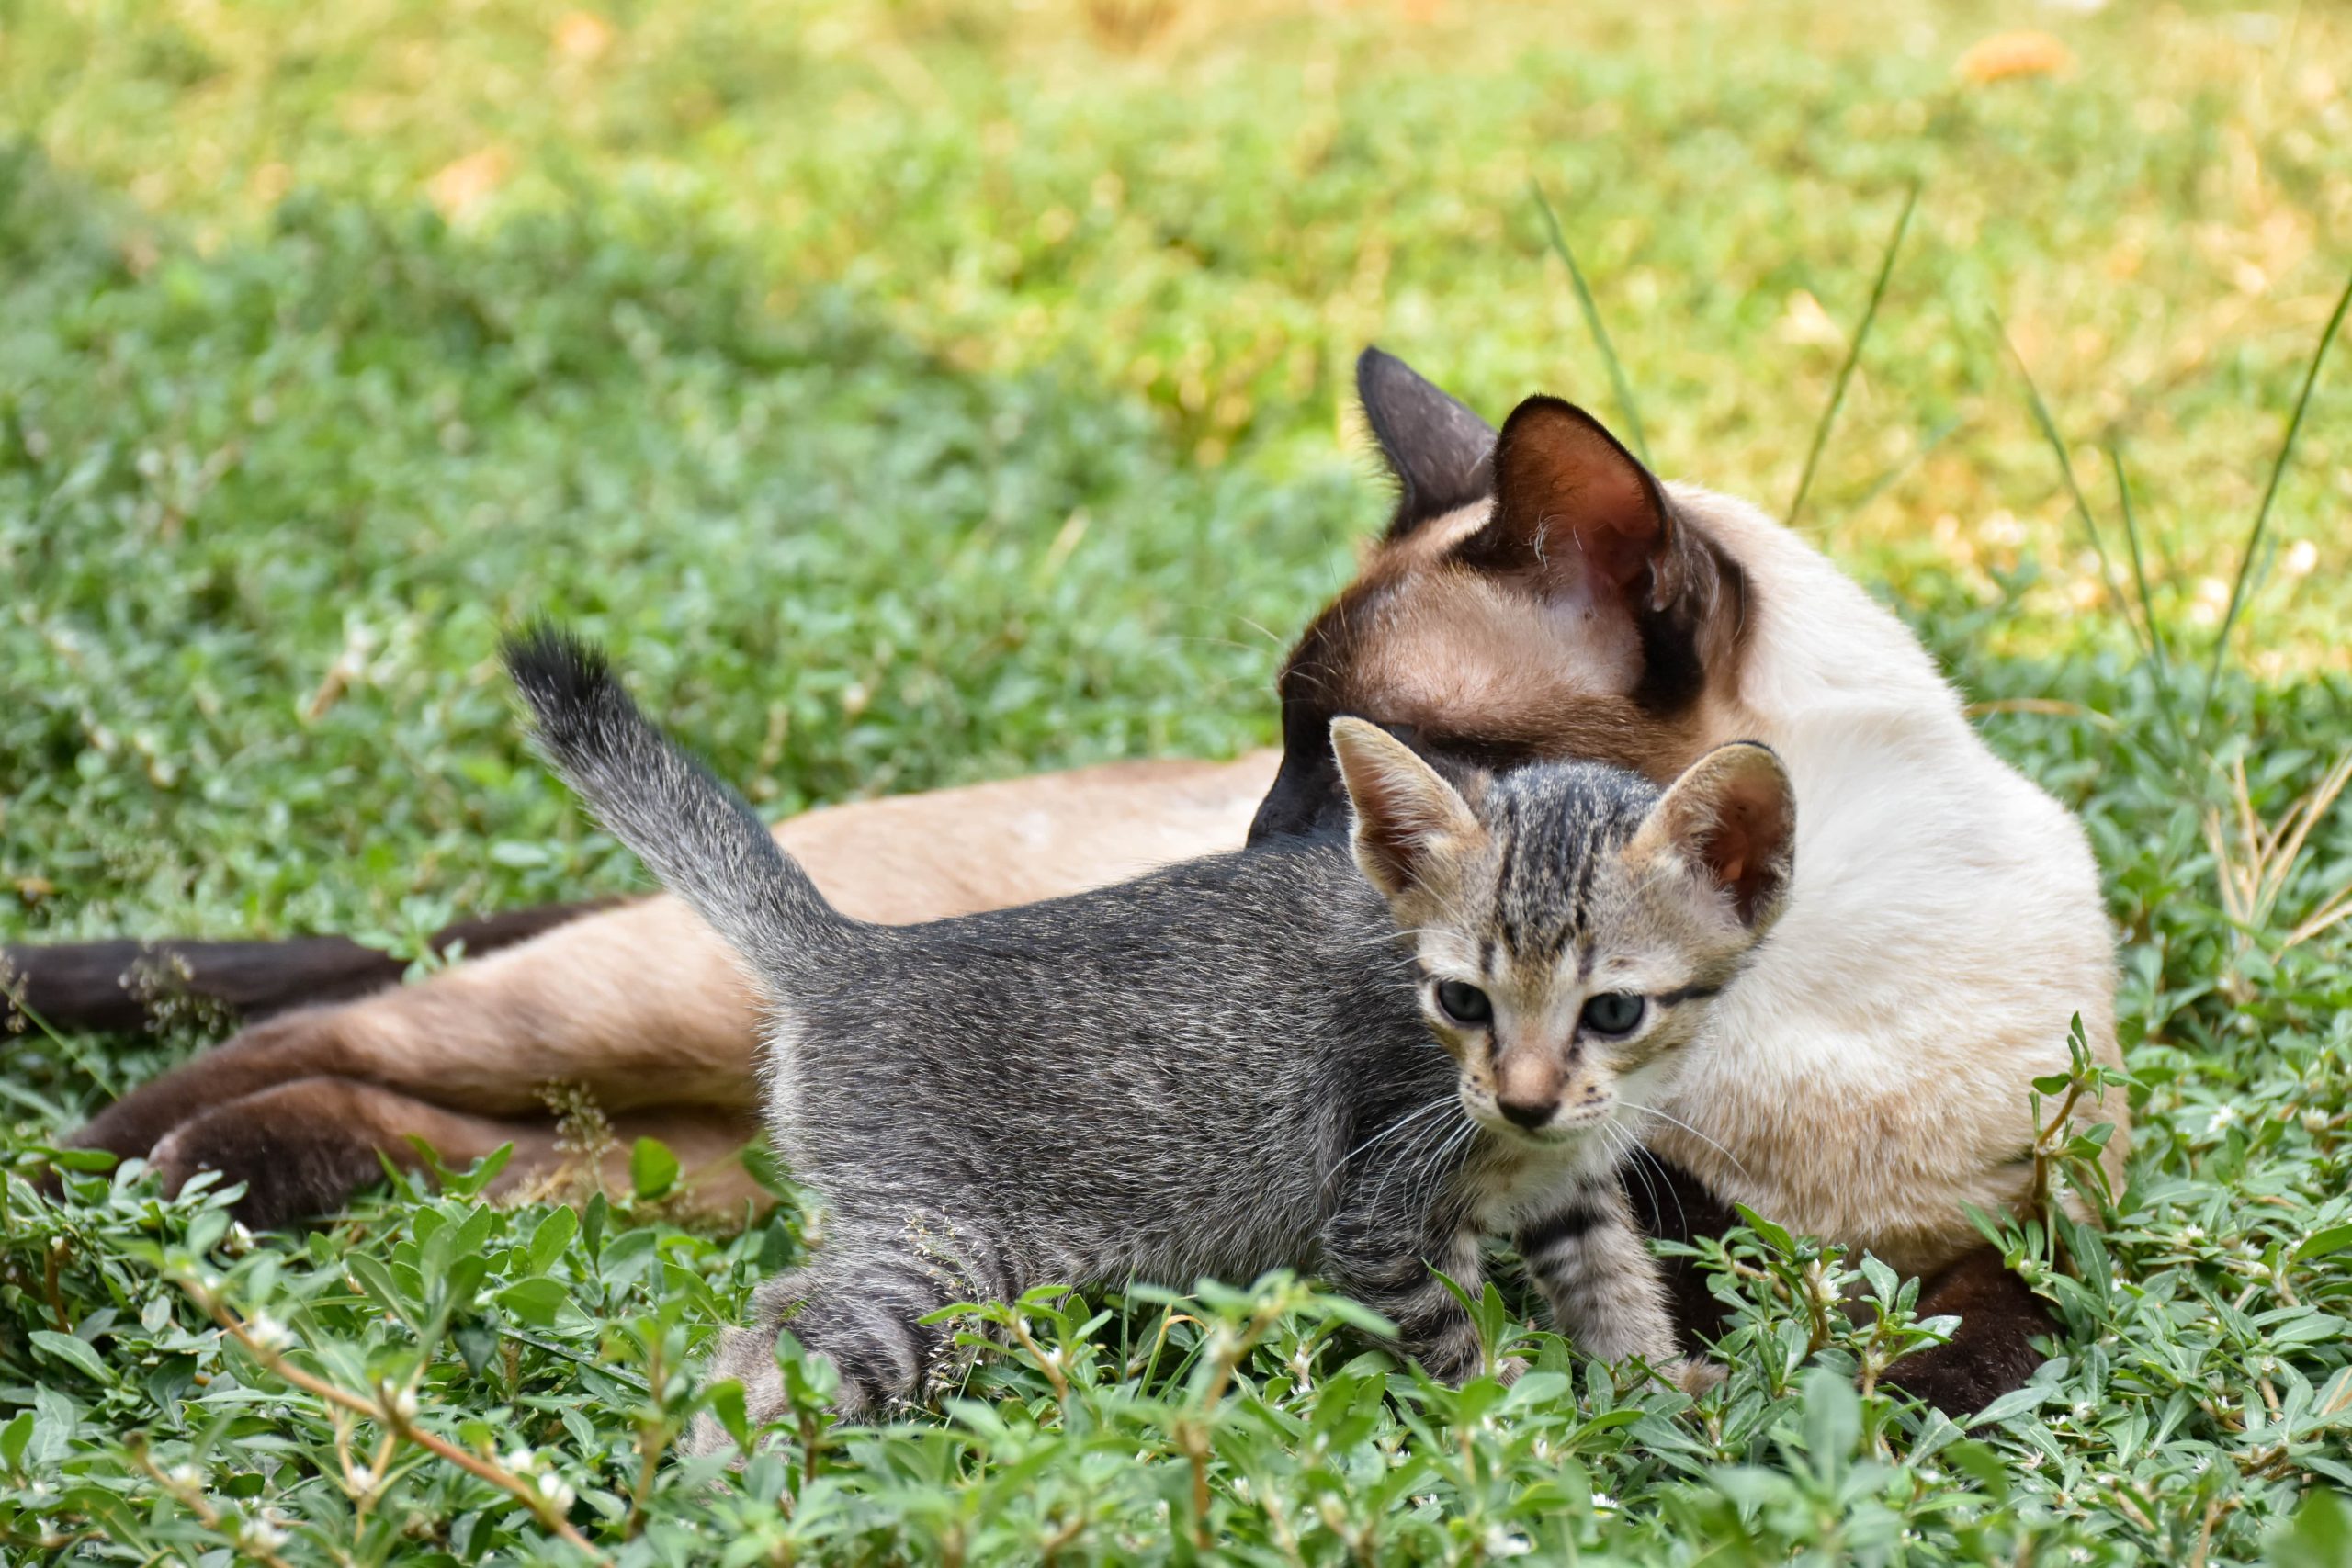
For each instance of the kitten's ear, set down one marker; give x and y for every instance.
(1732, 817)
(1442, 453)
(1573, 509)
(1409, 820)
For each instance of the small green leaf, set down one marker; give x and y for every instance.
(1774, 1236)
(554, 1234)
(653, 1169)
(477, 1343)
(726, 1398)
(377, 1282)
(76, 1160)
(535, 1302)
(2017, 1402)
(2319, 1244)
(75, 1353)
(591, 1225)
(1983, 1465)
(761, 1164)
(13, 1439)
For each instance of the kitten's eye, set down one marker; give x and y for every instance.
(1463, 1004)
(1614, 1013)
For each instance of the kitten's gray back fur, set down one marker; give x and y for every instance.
(1164, 1079)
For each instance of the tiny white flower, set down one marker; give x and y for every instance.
(260, 1535)
(2224, 1115)
(363, 1478)
(1501, 1542)
(553, 1488)
(2314, 1120)
(269, 1333)
(405, 1403)
(240, 1240)
(2078, 1554)
(2192, 1233)
(1602, 1502)
(522, 1461)
(185, 1475)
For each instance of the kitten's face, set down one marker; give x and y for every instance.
(1568, 1017)
(1571, 925)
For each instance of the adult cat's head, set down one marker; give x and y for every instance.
(1536, 595)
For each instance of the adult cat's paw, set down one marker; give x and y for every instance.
(292, 1149)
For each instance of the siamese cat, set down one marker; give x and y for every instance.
(1291, 1057)
(1537, 594)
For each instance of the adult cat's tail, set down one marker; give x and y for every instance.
(698, 836)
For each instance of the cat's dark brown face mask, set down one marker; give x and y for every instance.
(1537, 595)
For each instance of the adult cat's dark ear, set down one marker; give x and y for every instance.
(1732, 817)
(1582, 522)
(1573, 509)
(1410, 823)
(1441, 453)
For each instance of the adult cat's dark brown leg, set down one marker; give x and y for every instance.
(115, 987)
(301, 1149)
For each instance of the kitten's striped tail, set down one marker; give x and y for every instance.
(696, 835)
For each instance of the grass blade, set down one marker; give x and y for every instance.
(1853, 353)
(2073, 487)
(2271, 494)
(2139, 565)
(1592, 319)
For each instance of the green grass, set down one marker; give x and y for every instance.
(935, 390)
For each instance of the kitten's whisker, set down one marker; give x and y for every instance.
(1388, 1132)
(1429, 1172)
(1425, 1151)
(1391, 1131)
(1629, 1158)
(1654, 1111)
(1681, 1215)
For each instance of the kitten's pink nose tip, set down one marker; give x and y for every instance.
(1528, 1114)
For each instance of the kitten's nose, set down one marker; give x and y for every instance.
(1528, 1114)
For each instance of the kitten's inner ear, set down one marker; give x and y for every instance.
(1442, 453)
(1410, 823)
(1573, 509)
(1732, 817)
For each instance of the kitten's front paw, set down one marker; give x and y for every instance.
(1510, 1368)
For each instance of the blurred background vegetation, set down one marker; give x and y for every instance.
(928, 390)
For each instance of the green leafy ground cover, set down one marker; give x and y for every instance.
(929, 392)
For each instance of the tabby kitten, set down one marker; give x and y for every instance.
(1225, 1067)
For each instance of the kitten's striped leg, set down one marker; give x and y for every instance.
(1392, 1268)
(1605, 1290)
